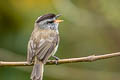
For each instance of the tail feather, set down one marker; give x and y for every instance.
(37, 72)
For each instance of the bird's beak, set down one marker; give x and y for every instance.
(58, 21)
(58, 16)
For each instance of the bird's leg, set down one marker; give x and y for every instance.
(56, 58)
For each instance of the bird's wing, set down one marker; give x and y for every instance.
(41, 45)
(46, 47)
(31, 50)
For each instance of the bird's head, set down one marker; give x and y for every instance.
(48, 21)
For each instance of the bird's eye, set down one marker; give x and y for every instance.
(50, 21)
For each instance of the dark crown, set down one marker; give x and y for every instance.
(47, 16)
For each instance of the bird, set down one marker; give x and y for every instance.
(43, 43)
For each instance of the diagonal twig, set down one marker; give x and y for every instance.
(63, 61)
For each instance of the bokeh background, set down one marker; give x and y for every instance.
(89, 27)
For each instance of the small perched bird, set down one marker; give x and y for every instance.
(43, 43)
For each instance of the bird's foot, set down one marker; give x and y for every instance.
(56, 58)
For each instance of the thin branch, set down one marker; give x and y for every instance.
(62, 61)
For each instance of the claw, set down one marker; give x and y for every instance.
(56, 62)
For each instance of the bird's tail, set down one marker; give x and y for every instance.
(37, 72)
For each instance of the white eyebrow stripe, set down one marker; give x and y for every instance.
(42, 22)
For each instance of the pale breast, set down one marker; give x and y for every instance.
(40, 34)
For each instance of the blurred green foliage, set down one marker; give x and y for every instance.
(89, 27)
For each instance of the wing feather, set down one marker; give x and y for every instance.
(42, 45)
(46, 49)
(31, 51)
